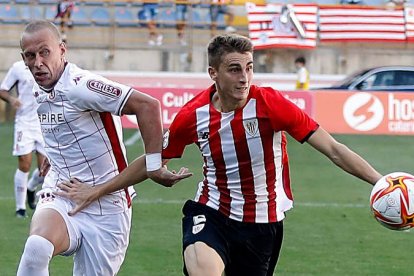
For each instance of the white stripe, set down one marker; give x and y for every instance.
(258, 167)
(232, 166)
(364, 27)
(203, 121)
(283, 203)
(349, 20)
(360, 12)
(287, 41)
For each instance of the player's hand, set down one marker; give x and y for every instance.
(168, 178)
(78, 192)
(15, 102)
(44, 168)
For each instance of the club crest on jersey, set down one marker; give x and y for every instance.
(165, 139)
(104, 88)
(251, 126)
(52, 94)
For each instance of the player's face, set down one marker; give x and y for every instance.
(44, 54)
(233, 77)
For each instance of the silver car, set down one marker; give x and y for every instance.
(384, 78)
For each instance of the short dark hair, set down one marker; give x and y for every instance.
(38, 25)
(300, 60)
(224, 44)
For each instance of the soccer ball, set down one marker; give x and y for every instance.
(392, 201)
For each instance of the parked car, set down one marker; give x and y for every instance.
(384, 78)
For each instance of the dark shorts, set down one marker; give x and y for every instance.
(245, 248)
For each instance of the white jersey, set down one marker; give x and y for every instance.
(83, 137)
(20, 75)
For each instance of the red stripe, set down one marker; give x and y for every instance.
(218, 160)
(360, 40)
(110, 128)
(245, 167)
(204, 192)
(286, 172)
(267, 135)
(363, 32)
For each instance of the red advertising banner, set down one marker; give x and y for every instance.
(172, 99)
(341, 112)
(365, 113)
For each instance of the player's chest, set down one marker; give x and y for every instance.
(55, 108)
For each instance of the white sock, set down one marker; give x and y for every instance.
(20, 189)
(35, 180)
(36, 257)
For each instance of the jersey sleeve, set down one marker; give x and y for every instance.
(100, 94)
(10, 79)
(180, 134)
(286, 116)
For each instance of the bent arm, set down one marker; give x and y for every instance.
(148, 113)
(343, 157)
(7, 97)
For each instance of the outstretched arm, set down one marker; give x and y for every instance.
(83, 194)
(343, 157)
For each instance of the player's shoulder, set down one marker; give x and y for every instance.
(197, 101)
(264, 92)
(18, 66)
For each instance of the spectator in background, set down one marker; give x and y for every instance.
(302, 81)
(64, 10)
(27, 135)
(149, 14)
(218, 7)
(181, 8)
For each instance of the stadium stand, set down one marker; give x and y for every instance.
(80, 17)
(167, 17)
(125, 18)
(100, 16)
(197, 20)
(9, 14)
(50, 12)
(29, 13)
(47, 2)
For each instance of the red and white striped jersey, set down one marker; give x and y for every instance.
(246, 168)
(83, 138)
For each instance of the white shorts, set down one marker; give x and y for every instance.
(99, 243)
(27, 139)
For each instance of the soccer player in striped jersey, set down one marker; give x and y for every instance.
(27, 135)
(235, 222)
(79, 114)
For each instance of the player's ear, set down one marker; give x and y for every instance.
(22, 55)
(213, 73)
(62, 49)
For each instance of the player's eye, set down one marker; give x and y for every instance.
(44, 53)
(29, 56)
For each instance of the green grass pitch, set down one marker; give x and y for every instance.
(329, 232)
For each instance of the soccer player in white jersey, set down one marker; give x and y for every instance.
(235, 222)
(79, 117)
(27, 134)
